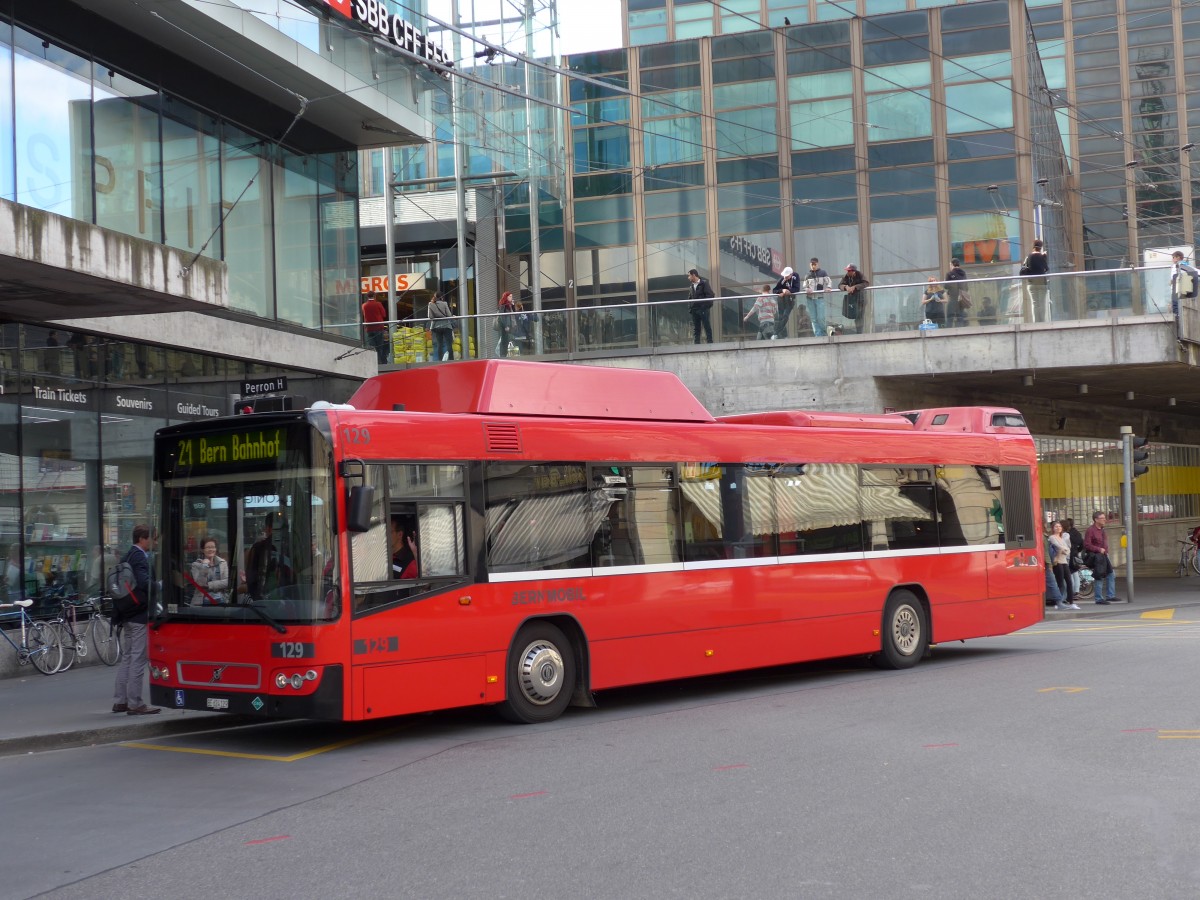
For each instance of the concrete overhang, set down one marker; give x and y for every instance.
(52, 266)
(60, 271)
(233, 44)
(260, 342)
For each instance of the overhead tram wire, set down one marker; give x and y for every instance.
(451, 70)
(492, 85)
(620, 89)
(304, 103)
(607, 85)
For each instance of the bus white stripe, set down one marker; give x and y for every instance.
(560, 574)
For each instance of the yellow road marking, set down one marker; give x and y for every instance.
(1065, 690)
(1159, 614)
(1113, 626)
(199, 751)
(1167, 734)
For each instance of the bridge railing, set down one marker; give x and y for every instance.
(632, 328)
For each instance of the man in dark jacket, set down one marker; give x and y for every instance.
(955, 314)
(854, 298)
(127, 693)
(787, 288)
(1095, 542)
(701, 296)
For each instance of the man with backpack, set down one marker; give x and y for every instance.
(127, 693)
(1184, 283)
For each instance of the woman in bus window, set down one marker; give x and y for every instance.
(209, 576)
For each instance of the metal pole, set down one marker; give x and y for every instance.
(460, 192)
(460, 220)
(535, 238)
(389, 242)
(1185, 166)
(1127, 505)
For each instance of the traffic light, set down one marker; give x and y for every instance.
(1139, 455)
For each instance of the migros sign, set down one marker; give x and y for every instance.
(374, 15)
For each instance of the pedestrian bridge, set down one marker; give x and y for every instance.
(1081, 356)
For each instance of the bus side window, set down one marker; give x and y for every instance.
(641, 523)
(898, 508)
(700, 511)
(370, 553)
(440, 540)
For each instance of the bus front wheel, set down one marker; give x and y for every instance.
(541, 675)
(905, 632)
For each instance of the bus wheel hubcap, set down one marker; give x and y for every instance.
(541, 672)
(906, 629)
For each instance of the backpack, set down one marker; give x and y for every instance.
(1185, 284)
(121, 586)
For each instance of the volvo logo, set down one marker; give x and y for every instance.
(217, 673)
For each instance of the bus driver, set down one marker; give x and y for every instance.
(404, 548)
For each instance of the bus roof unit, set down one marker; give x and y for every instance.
(798, 419)
(507, 387)
(971, 419)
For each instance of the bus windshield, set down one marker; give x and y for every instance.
(255, 547)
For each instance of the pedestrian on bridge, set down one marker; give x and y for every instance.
(701, 295)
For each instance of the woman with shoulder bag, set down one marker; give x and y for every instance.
(1060, 545)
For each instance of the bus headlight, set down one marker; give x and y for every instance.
(297, 681)
(281, 680)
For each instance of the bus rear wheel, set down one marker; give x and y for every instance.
(905, 632)
(541, 675)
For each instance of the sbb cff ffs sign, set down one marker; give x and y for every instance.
(375, 16)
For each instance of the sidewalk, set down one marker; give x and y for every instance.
(1148, 594)
(72, 709)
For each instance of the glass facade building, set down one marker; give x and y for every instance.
(81, 139)
(896, 143)
(1122, 78)
(117, 133)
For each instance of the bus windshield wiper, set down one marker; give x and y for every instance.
(265, 616)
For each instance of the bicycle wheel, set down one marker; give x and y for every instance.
(106, 639)
(70, 643)
(1087, 584)
(1195, 562)
(44, 645)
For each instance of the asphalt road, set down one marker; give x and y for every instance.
(1059, 762)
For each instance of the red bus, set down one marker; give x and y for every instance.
(524, 534)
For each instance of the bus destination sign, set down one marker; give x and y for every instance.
(251, 448)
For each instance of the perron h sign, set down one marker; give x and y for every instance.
(259, 386)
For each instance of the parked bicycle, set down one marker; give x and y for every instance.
(1189, 559)
(1087, 583)
(98, 628)
(41, 642)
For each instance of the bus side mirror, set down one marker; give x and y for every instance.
(358, 512)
